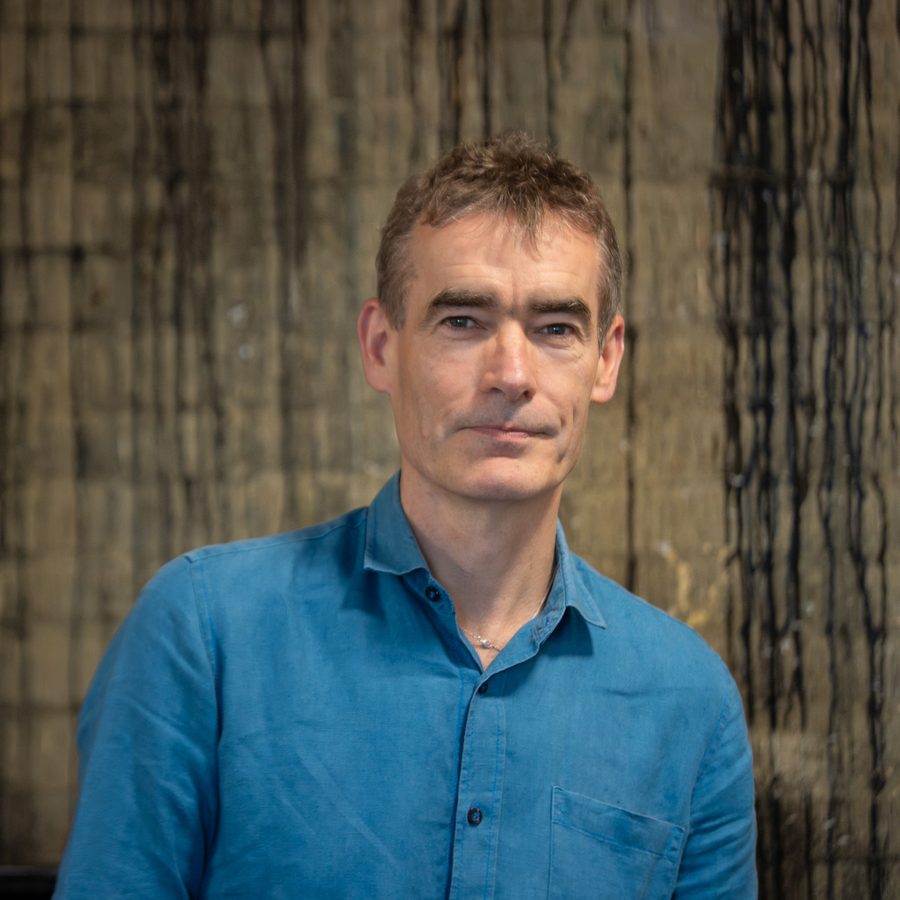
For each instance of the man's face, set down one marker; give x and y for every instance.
(494, 369)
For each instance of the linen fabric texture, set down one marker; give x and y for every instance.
(300, 716)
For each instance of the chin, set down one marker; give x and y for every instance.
(500, 484)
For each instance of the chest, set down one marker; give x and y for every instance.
(413, 774)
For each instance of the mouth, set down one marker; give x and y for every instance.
(506, 432)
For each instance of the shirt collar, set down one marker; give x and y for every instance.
(391, 547)
(569, 576)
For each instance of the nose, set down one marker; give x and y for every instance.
(509, 366)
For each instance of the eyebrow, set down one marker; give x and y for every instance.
(459, 298)
(571, 306)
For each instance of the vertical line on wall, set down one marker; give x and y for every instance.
(809, 73)
(725, 251)
(629, 267)
(199, 215)
(876, 607)
(487, 51)
(179, 87)
(294, 302)
(345, 36)
(825, 485)
(10, 504)
(288, 123)
(21, 823)
(8, 415)
(413, 33)
(761, 482)
(857, 434)
(138, 216)
(550, 72)
(140, 238)
(159, 128)
(450, 53)
(762, 402)
(791, 628)
(79, 445)
(884, 328)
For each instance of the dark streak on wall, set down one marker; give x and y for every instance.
(451, 43)
(628, 251)
(18, 828)
(290, 190)
(143, 284)
(549, 71)
(185, 223)
(78, 405)
(487, 55)
(413, 29)
(346, 36)
(806, 383)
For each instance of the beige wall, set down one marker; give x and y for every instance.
(189, 201)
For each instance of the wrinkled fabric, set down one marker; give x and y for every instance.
(300, 716)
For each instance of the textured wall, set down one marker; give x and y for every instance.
(189, 200)
(805, 266)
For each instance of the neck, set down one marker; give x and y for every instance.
(495, 557)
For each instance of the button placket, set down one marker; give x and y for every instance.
(479, 798)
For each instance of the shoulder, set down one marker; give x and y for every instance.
(663, 646)
(287, 544)
(254, 571)
(264, 560)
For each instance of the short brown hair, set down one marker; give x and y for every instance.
(511, 175)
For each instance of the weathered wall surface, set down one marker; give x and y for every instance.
(190, 194)
(804, 261)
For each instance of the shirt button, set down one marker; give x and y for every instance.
(432, 593)
(482, 688)
(474, 815)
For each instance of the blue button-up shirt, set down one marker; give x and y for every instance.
(300, 716)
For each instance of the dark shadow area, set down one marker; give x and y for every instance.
(25, 881)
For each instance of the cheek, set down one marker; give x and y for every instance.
(428, 399)
(437, 387)
(579, 410)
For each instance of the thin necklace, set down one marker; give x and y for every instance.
(485, 643)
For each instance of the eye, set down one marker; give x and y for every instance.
(459, 322)
(558, 329)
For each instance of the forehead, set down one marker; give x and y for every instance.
(493, 254)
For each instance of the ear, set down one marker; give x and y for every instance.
(609, 362)
(375, 333)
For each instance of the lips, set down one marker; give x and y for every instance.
(507, 430)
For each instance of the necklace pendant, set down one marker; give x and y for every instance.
(484, 643)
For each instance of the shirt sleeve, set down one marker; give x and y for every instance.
(720, 856)
(147, 741)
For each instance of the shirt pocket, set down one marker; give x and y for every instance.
(601, 851)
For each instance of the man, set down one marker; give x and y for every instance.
(433, 696)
